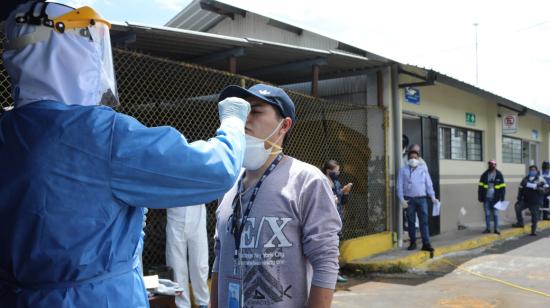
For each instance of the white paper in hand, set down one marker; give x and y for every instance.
(436, 209)
(151, 282)
(502, 205)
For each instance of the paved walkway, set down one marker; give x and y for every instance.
(511, 273)
(400, 259)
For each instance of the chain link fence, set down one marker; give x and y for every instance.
(163, 92)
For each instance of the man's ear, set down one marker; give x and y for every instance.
(287, 124)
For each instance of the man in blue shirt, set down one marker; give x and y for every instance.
(414, 185)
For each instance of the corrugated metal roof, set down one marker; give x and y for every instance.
(263, 59)
(193, 17)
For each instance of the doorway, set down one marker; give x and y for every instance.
(531, 154)
(424, 130)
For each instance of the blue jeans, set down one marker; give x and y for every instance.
(488, 205)
(418, 206)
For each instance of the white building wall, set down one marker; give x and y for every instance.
(459, 179)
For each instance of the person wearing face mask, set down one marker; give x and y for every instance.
(414, 185)
(491, 190)
(276, 241)
(77, 175)
(530, 196)
(546, 176)
(331, 169)
(415, 148)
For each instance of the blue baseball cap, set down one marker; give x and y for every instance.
(271, 95)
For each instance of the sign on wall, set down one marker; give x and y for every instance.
(412, 95)
(510, 124)
(535, 134)
(470, 118)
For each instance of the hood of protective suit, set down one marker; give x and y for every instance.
(65, 68)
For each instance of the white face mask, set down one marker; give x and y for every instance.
(413, 162)
(256, 154)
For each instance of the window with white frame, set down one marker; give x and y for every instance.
(459, 144)
(512, 149)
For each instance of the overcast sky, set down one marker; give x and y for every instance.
(513, 36)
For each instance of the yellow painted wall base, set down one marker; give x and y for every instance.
(365, 246)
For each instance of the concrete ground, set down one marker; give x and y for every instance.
(400, 259)
(511, 273)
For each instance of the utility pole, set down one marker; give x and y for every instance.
(477, 59)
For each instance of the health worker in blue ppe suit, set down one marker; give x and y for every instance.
(75, 175)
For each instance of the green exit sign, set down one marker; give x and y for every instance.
(470, 118)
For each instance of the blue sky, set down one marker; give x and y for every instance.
(153, 12)
(513, 36)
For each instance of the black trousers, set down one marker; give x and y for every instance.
(545, 214)
(533, 208)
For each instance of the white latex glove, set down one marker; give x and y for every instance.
(168, 287)
(233, 107)
(145, 211)
(404, 203)
(434, 200)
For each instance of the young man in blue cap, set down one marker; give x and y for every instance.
(277, 229)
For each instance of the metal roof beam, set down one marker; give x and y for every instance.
(521, 112)
(352, 72)
(222, 8)
(428, 80)
(287, 67)
(351, 49)
(285, 26)
(222, 55)
(403, 71)
(124, 38)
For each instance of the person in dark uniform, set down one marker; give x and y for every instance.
(530, 196)
(546, 176)
(492, 189)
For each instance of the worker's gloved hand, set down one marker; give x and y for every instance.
(404, 203)
(168, 287)
(232, 109)
(145, 211)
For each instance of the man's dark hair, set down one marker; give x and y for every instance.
(287, 135)
(534, 167)
(414, 145)
(412, 152)
(545, 165)
(329, 165)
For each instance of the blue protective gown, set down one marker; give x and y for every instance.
(74, 181)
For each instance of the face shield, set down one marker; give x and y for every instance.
(99, 34)
(83, 23)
